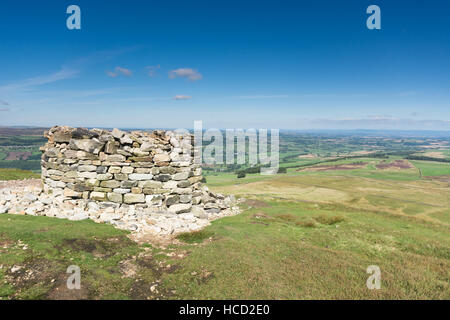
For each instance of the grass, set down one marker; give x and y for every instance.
(194, 237)
(17, 174)
(302, 235)
(430, 168)
(44, 247)
(292, 256)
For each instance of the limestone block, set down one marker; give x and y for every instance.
(131, 198)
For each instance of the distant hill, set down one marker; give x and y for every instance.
(22, 131)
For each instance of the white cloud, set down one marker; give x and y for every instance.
(181, 97)
(152, 70)
(63, 74)
(111, 74)
(188, 73)
(119, 71)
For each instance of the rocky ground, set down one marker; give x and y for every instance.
(26, 197)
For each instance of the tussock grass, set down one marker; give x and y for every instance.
(194, 237)
(310, 223)
(329, 220)
(17, 174)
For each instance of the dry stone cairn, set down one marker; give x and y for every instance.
(140, 181)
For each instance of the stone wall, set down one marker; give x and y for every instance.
(130, 176)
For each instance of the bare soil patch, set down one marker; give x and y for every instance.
(61, 292)
(397, 164)
(345, 166)
(442, 178)
(33, 272)
(102, 248)
(18, 155)
(307, 156)
(435, 154)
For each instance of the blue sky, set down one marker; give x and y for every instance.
(232, 64)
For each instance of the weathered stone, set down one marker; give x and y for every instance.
(83, 133)
(102, 189)
(114, 169)
(87, 175)
(110, 216)
(98, 196)
(142, 164)
(143, 170)
(170, 200)
(124, 153)
(141, 159)
(136, 190)
(115, 158)
(183, 191)
(110, 147)
(154, 199)
(89, 145)
(110, 184)
(128, 184)
(150, 184)
(116, 133)
(52, 152)
(133, 198)
(62, 136)
(121, 176)
(139, 153)
(138, 176)
(183, 184)
(161, 157)
(174, 142)
(147, 146)
(185, 198)
(122, 190)
(54, 173)
(79, 216)
(106, 137)
(163, 177)
(115, 197)
(71, 193)
(167, 170)
(195, 179)
(199, 212)
(85, 168)
(170, 184)
(126, 139)
(127, 170)
(92, 182)
(102, 169)
(180, 208)
(83, 155)
(4, 209)
(196, 200)
(81, 187)
(181, 176)
(104, 176)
